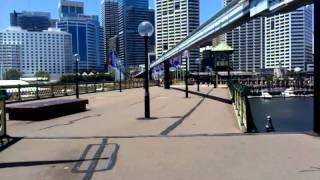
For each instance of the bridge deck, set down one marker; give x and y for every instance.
(194, 138)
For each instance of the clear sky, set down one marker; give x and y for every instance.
(92, 7)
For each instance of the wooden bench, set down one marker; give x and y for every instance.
(44, 110)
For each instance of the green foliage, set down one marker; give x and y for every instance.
(88, 78)
(42, 74)
(12, 74)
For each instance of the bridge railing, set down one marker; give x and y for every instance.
(21, 93)
(239, 94)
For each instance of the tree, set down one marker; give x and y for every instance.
(42, 74)
(12, 74)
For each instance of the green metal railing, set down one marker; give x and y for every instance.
(239, 94)
(21, 93)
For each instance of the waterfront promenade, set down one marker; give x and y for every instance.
(195, 138)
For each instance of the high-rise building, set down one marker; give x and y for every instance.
(247, 41)
(174, 21)
(87, 35)
(31, 20)
(131, 44)
(289, 39)
(70, 8)
(109, 20)
(30, 52)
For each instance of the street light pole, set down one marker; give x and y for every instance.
(198, 79)
(120, 81)
(316, 67)
(186, 56)
(146, 80)
(77, 59)
(146, 30)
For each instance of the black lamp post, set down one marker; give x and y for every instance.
(186, 57)
(120, 71)
(198, 79)
(316, 67)
(77, 59)
(146, 30)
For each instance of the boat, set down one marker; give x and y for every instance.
(265, 95)
(288, 93)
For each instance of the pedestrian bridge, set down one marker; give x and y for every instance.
(231, 16)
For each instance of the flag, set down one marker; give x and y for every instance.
(113, 59)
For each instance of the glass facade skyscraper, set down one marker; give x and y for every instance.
(87, 35)
(131, 44)
(109, 20)
(70, 8)
(31, 20)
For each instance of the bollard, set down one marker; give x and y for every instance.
(269, 126)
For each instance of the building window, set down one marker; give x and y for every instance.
(272, 24)
(165, 47)
(177, 5)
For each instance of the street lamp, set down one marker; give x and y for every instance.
(77, 59)
(146, 30)
(186, 56)
(198, 61)
(120, 71)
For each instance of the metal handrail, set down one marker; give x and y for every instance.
(239, 94)
(19, 93)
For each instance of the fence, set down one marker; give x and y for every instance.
(21, 93)
(239, 94)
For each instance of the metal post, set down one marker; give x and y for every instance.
(65, 90)
(316, 67)
(37, 92)
(159, 80)
(52, 90)
(120, 82)
(198, 82)
(3, 123)
(146, 80)
(19, 92)
(166, 74)
(187, 76)
(77, 79)
(228, 69)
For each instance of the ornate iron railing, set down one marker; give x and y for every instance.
(21, 93)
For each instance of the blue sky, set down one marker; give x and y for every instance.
(207, 8)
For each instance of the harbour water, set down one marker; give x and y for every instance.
(294, 114)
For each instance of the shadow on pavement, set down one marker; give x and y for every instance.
(180, 121)
(95, 158)
(41, 163)
(8, 141)
(223, 100)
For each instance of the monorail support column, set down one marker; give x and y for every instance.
(317, 67)
(166, 74)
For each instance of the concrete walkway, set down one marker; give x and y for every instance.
(195, 138)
